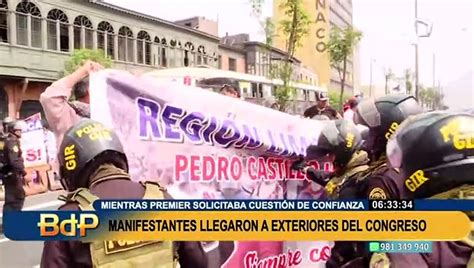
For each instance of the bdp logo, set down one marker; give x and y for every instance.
(50, 224)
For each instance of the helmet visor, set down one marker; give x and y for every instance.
(367, 114)
(394, 153)
(331, 133)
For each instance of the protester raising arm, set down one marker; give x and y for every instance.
(59, 113)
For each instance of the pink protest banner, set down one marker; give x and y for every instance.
(202, 145)
(33, 142)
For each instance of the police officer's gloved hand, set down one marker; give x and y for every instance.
(320, 177)
(299, 164)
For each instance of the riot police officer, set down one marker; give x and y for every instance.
(98, 168)
(3, 137)
(340, 141)
(435, 154)
(14, 169)
(8, 121)
(382, 117)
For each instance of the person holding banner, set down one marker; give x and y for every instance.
(60, 113)
(93, 165)
(14, 170)
(230, 91)
(436, 161)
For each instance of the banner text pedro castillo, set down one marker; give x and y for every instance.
(51, 224)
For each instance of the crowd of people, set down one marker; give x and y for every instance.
(401, 144)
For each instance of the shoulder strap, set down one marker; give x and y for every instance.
(356, 170)
(153, 190)
(82, 196)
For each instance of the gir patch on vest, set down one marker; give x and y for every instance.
(112, 247)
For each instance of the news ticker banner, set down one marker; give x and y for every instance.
(224, 220)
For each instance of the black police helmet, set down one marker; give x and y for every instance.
(434, 151)
(384, 115)
(84, 148)
(339, 137)
(8, 122)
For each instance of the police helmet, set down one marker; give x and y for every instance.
(16, 125)
(85, 147)
(384, 115)
(7, 122)
(320, 117)
(339, 137)
(434, 152)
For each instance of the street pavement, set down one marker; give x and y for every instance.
(26, 254)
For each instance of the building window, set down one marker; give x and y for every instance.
(164, 60)
(58, 30)
(188, 55)
(144, 48)
(232, 65)
(219, 62)
(83, 33)
(30, 107)
(28, 24)
(105, 38)
(254, 89)
(157, 51)
(201, 54)
(125, 44)
(3, 21)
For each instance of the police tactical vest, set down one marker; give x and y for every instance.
(381, 260)
(356, 166)
(462, 192)
(128, 254)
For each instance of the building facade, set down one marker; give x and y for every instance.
(232, 58)
(37, 37)
(202, 24)
(262, 60)
(325, 14)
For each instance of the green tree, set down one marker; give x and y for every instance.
(408, 77)
(340, 47)
(389, 75)
(334, 98)
(80, 56)
(431, 98)
(294, 27)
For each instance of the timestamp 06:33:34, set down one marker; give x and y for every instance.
(391, 204)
